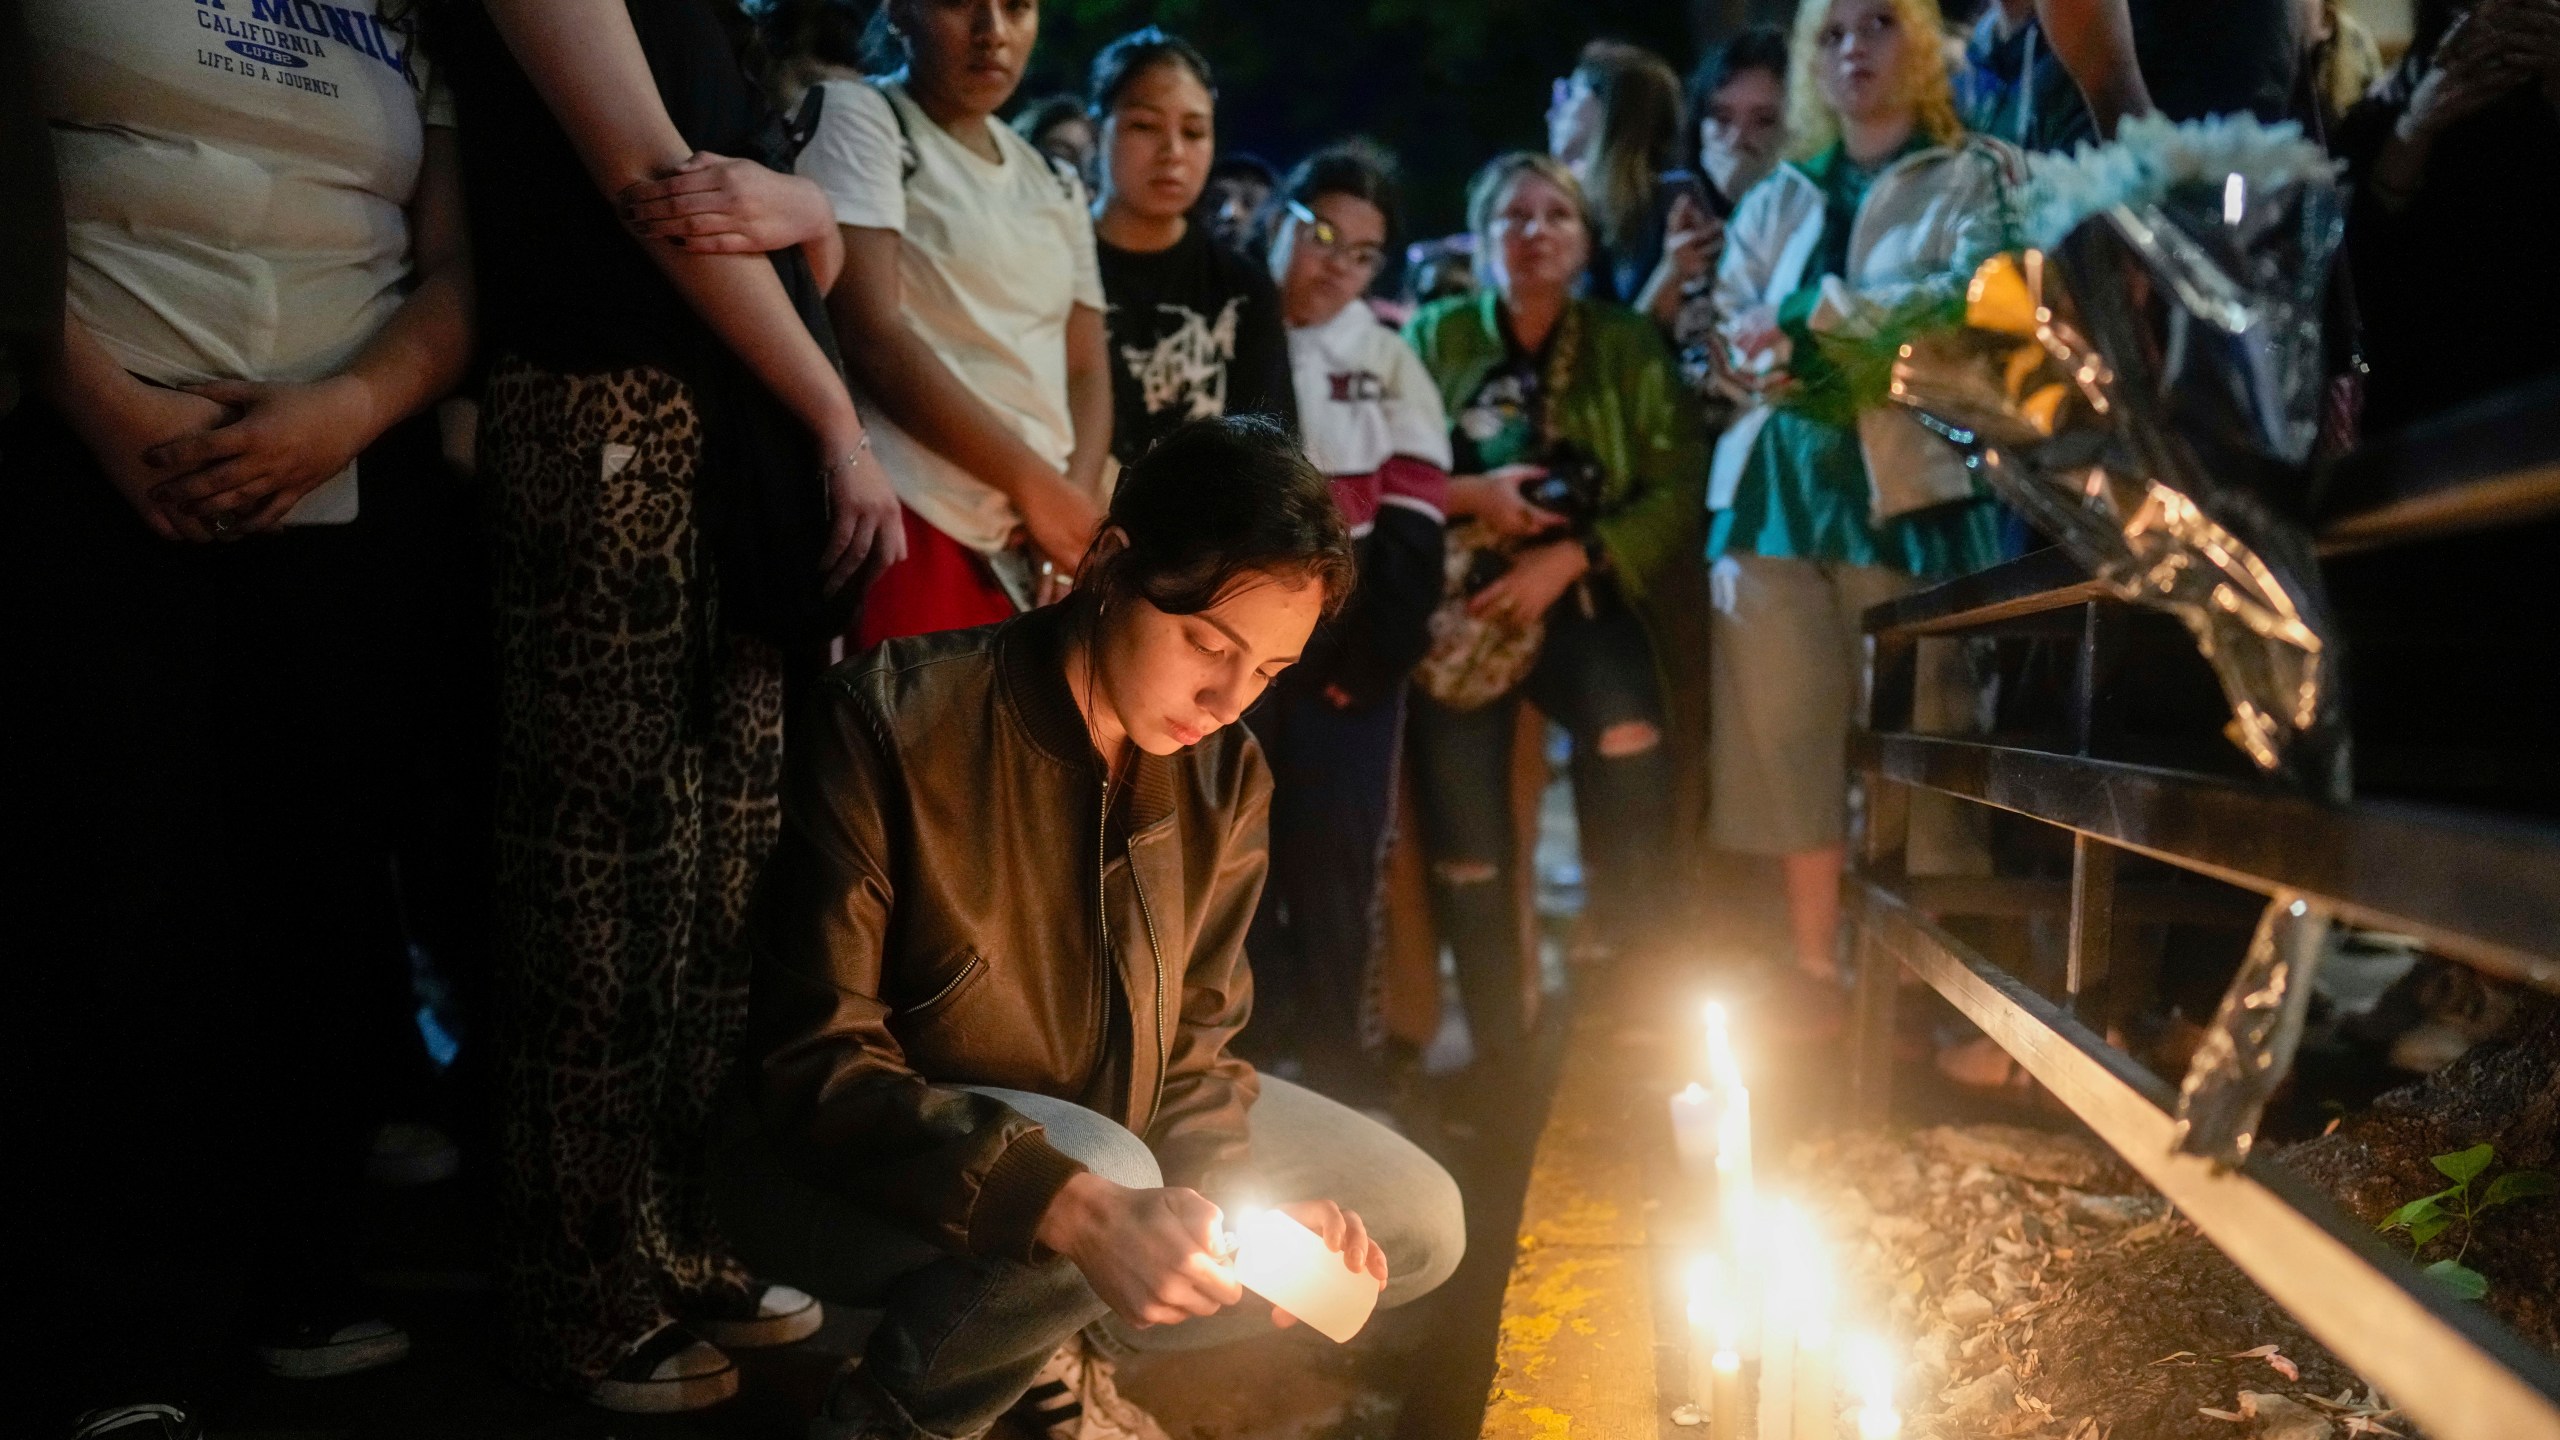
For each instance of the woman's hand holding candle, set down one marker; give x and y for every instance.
(1151, 1255)
(1329, 1281)
(1343, 1234)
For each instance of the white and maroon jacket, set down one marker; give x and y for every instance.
(1371, 419)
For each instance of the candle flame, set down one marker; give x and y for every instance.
(1869, 1364)
(1722, 1066)
(1733, 1132)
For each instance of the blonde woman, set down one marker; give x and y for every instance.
(1819, 513)
(1561, 401)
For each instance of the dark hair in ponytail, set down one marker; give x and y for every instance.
(1133, 55)
(1213, 502)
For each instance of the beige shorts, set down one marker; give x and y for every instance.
(1783, 673)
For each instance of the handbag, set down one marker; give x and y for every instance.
(1475, 660)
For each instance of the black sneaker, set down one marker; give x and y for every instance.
(325, 1347)
(147, 1420)
(671, 1370)
(752, 1315)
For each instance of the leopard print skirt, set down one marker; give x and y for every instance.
(639, 766)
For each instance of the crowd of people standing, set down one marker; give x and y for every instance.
(803, 705)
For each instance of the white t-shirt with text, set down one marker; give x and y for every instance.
(235, 180)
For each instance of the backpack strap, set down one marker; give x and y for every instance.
(1066, 176)
(909, 158)
(803, 124)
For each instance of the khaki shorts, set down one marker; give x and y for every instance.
(1784, 671)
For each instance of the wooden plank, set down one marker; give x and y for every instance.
(2093, 918)
(2475, 888)
(2450, 1365)
(2514, 498)
(2032, 584)
(2186, 903)
(2495, 461)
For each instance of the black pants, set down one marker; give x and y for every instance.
(1594, 672)
(210, 755)
(1314, 942)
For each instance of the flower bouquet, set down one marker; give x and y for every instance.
(2139, 374)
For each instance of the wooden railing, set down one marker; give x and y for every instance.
(2473, 887)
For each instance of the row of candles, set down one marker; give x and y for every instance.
(1767, 1251)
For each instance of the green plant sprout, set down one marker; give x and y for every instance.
(2428, 1217)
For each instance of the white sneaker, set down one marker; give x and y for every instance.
(1075, 1397)
(671, 1370)
(323, 1349)
(753, 1315)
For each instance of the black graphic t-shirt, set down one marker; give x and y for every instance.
(1195, 331)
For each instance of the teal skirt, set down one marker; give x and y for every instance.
(1803, 495)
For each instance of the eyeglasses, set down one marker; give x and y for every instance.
(1329, 240)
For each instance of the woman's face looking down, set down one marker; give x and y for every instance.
(1173, 680)
(1158, 140)
(1739, 133)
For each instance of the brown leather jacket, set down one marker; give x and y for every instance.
(949, 905)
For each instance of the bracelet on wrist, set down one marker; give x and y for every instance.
(860, 448)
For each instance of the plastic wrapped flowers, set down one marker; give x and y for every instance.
(2140, 375)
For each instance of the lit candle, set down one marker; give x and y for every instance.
(1817, 1409)
(1724, 1071)
(1781, 1292)
(1693, 1129)
(1733, 1171)
(1724, 1407)
(1715, 1347)
(1289, 1265)
(1871, 1370)
(1706, 1296)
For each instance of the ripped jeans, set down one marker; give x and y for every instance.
(1595, 677)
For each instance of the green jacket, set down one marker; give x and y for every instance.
(1624, 406)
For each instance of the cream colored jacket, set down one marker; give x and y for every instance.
(1926, 222)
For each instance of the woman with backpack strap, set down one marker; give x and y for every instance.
(970, 313)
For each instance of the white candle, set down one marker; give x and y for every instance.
(1715, 1346)
(1782, 1290)
(1693, 1129)
(1289, 1265)
(1817, 1409)
(1724, 1070)
(1777, 1372)
(1871, 1367)
(1706, 1296)
(1733, 1171)
(1724, 1404)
